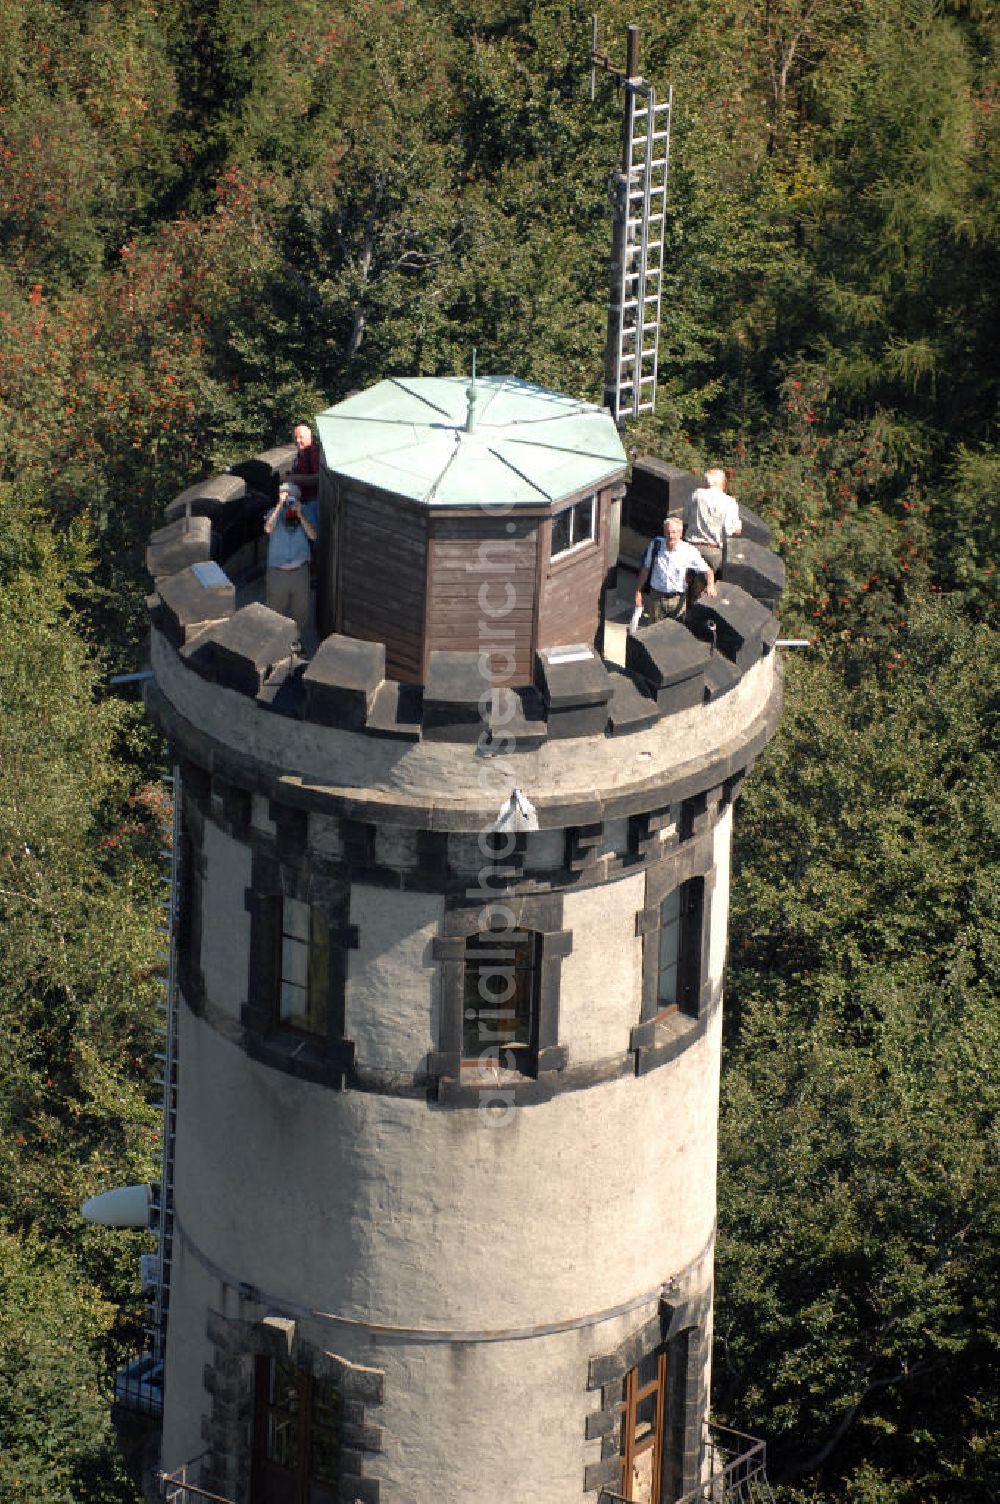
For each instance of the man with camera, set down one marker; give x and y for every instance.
(291, 531)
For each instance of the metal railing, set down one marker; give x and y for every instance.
(133, 1377)
(736, 1472)
(179, 1486)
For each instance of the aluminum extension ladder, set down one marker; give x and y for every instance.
(164, 1204)
(641, 212)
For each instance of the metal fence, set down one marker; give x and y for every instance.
(179, 1487)
(133, 1379)
(736, 1472)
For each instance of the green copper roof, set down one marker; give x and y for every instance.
(524, 445)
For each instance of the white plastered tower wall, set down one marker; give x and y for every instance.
(478, 1262)
(483, 1264)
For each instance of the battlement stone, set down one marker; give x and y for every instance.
(740, 627)
(248, 649)
(199, 597)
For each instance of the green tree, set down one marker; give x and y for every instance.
(859, 1196)
(78, 969)
(56, 1442)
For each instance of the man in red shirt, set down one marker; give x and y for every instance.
(305, 467)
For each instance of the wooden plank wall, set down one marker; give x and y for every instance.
(325, 556)
(465, 554)
(570, 606)
(382, 563)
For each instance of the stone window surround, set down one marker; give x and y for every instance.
(229, 1380)
(659, 1037)
(289, 874)
(541, 914)
(228, 805)
(678, 1330)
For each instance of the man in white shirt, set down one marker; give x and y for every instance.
(666, 565)
(710, 517)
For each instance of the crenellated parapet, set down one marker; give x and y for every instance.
(212, 541)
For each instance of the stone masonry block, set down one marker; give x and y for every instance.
(201, 596)
(754, 527)
(453, 693)
(672, 663)
(655, 489)
(245, 651)
(174, 547)
(756, 570)
(342, 680)
(221, 1333)
(740, 627)
(207, 498)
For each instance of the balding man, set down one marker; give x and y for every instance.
(305, 466)
(710, 517)
(666, 564)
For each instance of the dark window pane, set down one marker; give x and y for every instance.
(281, 1443)
(679, 959)
(645, 1416)
(562, 531)
(497, 996)
(584, 519)
(305, 967)
(319, 974)
(283, 1386)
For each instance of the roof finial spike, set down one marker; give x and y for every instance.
(470, 417)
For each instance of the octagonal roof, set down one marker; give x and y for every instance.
(523, 445)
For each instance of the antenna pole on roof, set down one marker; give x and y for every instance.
(640, 204)
(470, 393)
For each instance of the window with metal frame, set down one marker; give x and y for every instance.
(573, 526)
(679, 961)
(644, 1394)
(297, 1436)
(500, 1000)
(304, 968)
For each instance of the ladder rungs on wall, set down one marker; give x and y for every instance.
(640, 274)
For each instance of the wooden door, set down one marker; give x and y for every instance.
(645, 1389)
(297, 1425)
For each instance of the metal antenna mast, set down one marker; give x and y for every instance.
(640, 200)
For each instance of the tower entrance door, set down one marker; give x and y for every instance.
(645, 1389)
(297, 1436)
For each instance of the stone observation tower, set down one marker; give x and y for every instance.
(438, 1217)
